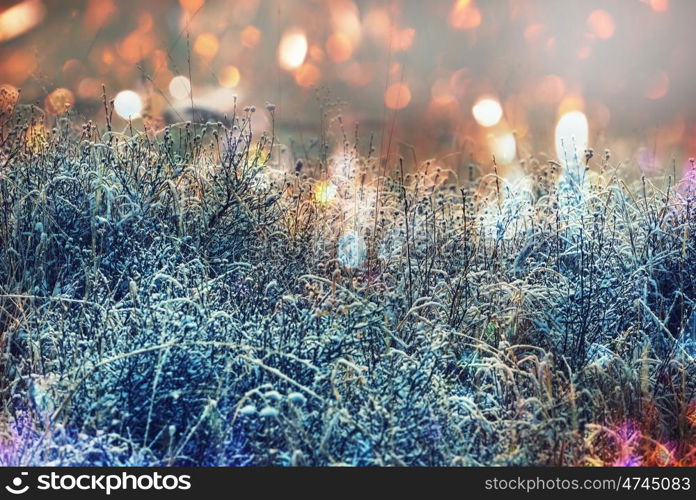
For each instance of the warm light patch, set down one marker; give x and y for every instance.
(20, 18)
(292, 49)
(128, 104)
(571, 102)
(487, 112)
(659, 5)
(464, 15)
(378, 25)
(572, 128)
(59, 101)
(107, 56)
(325, 192)
(229, 77)
(251, 36)
(307, 75)
(97, 13)
(192, 5)
(339, 47)
(403, 39)
(601, 24)
(345, 18)
(442, 92)
(136, 46)
(504, 147)
(206, 45)
(17, 65)
(180, 87)
(88, 88)
(397, 96)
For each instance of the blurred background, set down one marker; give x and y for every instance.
(472, 77)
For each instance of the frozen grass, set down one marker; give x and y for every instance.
(186, 298)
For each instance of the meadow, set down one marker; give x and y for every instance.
(202, 295)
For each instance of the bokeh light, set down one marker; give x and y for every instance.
(192, 5)
(439, 60)
(487, 112)
(88, 88)
(659, 5)
(292, 49)
(572, 128)
(339, 47)
(206, 45)
(59, 101)
(128, 104)
(601, 23)
(180, 87)
(465, 15)
(250, 36)
(20, 18)
(229, 76)
(325, 192)
(397, 96)
(504, 147)
(307, 75)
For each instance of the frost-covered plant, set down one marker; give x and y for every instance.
(190, 297)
